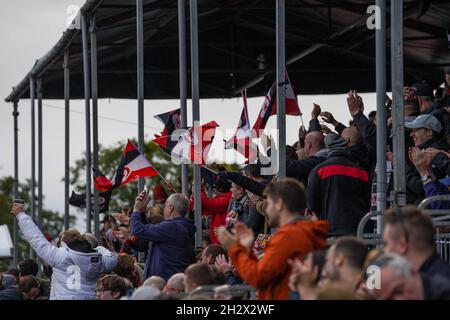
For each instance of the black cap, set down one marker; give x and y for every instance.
(423, 89)
(222, 185)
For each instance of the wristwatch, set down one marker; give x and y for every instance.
(425, 179)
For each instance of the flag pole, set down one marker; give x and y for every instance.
(301, 119)
(164, 179)
(209, 169)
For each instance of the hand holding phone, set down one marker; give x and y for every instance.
(17, 207)
(140, 205)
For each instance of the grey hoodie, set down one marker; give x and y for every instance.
(74, 273)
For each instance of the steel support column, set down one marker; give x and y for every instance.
(16, 184)
(87, 86)
(66, 138)
(94, 94)
(33, 156)
(380, 56)
(196, 118)
(183, 86)
(398, 129)
(140, 77)
(281, 87)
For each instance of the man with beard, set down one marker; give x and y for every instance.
(296, 236)
(344, 261)
(343, 268)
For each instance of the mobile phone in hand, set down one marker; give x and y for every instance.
(19, 201)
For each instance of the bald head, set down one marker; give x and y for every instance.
(175, 284)
(155, 282)
(352, 135)
(314, 143)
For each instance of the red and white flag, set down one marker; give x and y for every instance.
(242, 138)
(269, 107)
(170, 120)
(192, 146)
(132, 166)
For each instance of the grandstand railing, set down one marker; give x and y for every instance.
(241, 292)
(441, 220)
(373, 238)
(439, 217)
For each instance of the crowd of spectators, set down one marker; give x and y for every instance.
(269, 238)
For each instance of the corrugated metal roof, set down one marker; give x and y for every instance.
(327, 42)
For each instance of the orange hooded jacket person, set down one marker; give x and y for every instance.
(270, 275)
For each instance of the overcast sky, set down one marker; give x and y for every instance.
(28, 30)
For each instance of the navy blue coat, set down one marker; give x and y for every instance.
(171, 248)
(435, 266)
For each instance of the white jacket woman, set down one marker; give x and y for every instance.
(74, 273)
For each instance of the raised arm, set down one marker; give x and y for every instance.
(251, 185)
(44, 249)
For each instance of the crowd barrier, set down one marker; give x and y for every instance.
(440, 218)
(241, 292)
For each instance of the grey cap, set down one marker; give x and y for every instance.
(426, 121)
(334, 141)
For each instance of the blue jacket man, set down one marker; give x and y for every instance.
(171, 248)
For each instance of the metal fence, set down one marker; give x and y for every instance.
(240, 292)
(371, 237)
(440, 218)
